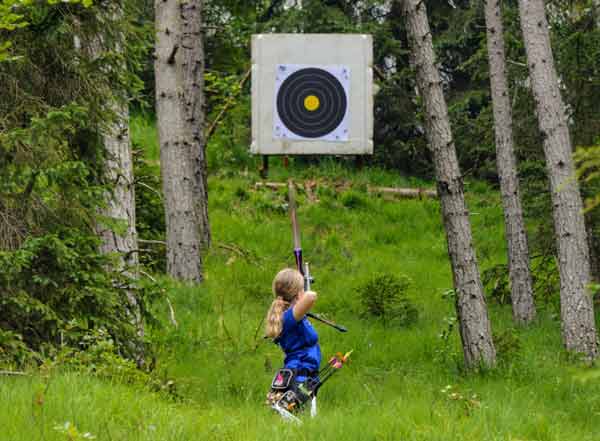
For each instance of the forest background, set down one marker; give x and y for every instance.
(63, 324)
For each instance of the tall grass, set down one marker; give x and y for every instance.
(403, 383)
(143, 135)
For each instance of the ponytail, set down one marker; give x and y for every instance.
(286, 286)
(274, 321)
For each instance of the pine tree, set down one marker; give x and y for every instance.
(518, 254)
(577, 313)
(475, 329)
(178, 146)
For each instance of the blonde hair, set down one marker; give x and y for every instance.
(286, 286)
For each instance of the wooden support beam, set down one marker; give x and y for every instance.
(416, 193)
(405, 192)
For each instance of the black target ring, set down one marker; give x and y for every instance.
(311, 85)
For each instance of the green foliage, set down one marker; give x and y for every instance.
(588, 172)
(546, 282)
(269, 202)
(385, 296)
(96, 354)
(55, 285)
(576, 45)
(508, 346)
(13, 351)
(466, 402)
(222, 367)
(149, 211)
(545, 278)
(13, 15)
(496, 281)
(353, 200)
(58, 296)
(57, 288)
(446, 352)
(71, 433)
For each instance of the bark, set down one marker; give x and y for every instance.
(518, 254)
(120, 208)
(577, 315)
(119, 235)
(193, 86)
(475, 330)
(176, 146)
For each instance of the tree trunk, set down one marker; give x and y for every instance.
(577, 315)
(119, 199)
(518, 254)
(176, 145)
(475, 330)
(193, 85)
(120, 207)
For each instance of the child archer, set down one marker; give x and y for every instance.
(287, 325)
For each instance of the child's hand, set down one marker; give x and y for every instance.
(305, 301)
(311, 294)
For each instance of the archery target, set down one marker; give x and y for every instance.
(312, 94)
(311, 102)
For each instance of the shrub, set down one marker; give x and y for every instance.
(508, 346)
(497, 284)
(353, 199)
(56, 290)
(545, 279)
(385, 296)
(546, 282)
(97, 354)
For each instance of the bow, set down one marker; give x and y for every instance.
(303, 267)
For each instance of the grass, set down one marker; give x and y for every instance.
(403, 383)
(143, 134)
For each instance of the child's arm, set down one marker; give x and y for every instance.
(303, 305)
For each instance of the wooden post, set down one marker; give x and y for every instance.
(264, 171)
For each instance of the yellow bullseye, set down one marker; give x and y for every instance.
(311, 103)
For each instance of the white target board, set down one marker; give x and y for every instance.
(312, 94)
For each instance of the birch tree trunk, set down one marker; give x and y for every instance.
(176, 145)
(475, 330)
(523, 306)
(193, 85)
(577, 314)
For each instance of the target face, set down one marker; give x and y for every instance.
(311, 102)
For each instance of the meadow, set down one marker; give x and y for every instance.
(404, 383)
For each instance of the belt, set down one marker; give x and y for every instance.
(305, 372)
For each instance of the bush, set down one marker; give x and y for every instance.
(385, 297)
(56, 290)
(497, 284)
(97, 354)
(546, 282)
(508, 346)
(545, 279)
(353, 199)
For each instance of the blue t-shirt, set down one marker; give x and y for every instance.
(300, 342)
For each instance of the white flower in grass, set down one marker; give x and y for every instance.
(70, 430)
